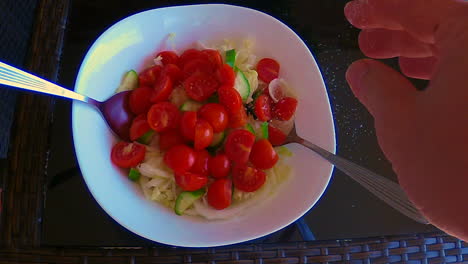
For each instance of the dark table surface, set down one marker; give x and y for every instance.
(346, 210)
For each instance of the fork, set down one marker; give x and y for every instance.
(385, 189)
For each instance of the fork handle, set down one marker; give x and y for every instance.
(385, 189)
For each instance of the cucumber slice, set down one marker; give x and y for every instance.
(242, 85)
(129, 81)
(146, 138)
(186, 199)
(250, 128)
(218, 139)
(134, 174)
(231, 57)
(190, 106)
(264, 129)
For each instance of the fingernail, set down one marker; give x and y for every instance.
(355, 74)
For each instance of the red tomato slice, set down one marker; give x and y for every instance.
(219, 166)
(169, 139)
(173, 71)
(263, 155)
(268, 69)
(139, 127)
(263, 107)
(162, 89)
(190, 181)
(214, 57)
(139, 100)
(238, 145)
(285, 108)
(168, 57)
(220, 194)
(197, 65)
(230, 98)
(203, 134)
(180, 158)
(247, 179)
(216, 115)
(187, 124)
(200, 86)
(226, 75)
(189, 55)
(201, 162)
(276, 136)
(163, 116)
(127, 155)
(238, 119)
(149, 76)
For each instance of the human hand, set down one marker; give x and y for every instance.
(424, 134)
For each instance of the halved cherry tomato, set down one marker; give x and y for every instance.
(173, 71)
(127, 155)
(219, 166)
(149, 76)
(162, 89)
(214, 57)
(238, 119)
(216, 115)
(247, 179)
(201, 162)
(230, 98)
(197, 65)
(190, 181)
(187, 124)
(226, 75)
(276, 136)
(168, 57)
(189, 55)
(238, 146)
(163, 116)
(263, 155)
(139, 127)
(263, 107)
(268, 69)
(200, 86)
(180, 158)
(169, 139)
(203, 134)
(285, 108)
(220, 194)
(139, 100)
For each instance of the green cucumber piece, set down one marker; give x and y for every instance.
(186, 199)
(134, 174)
(231, 57)
(250, 128)
(190, 106)
(218, 139)
(146, 138)
(241, 84)
(129, 81)
(264, 129)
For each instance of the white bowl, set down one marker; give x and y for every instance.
(124, 46)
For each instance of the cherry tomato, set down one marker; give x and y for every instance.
(238, 145)
(203, 134)
(238, 119)
(216, 115)
(189, 55)
(162, 89)
(263, 107)
(201, 162)
(197, 65)
(139, 127)
(219, 166)
(163, 116)
(168, 57)
(263, 155)
(247, 179)
(139, 100)
(169, 139)
(127, 155)
(214, 57)
(190, 181)
(276, 136)
(187, 124)
(220, 194)
(285, 108)
(268, 69)
(226, 75)
(173, 71)
(149, 76)
(230, 98)
(200, 86)
(180, 158)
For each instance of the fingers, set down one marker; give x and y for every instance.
(372, 14)
(419, 68)
(383, 43)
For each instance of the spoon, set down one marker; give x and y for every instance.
(385, 189)
(115, 110)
